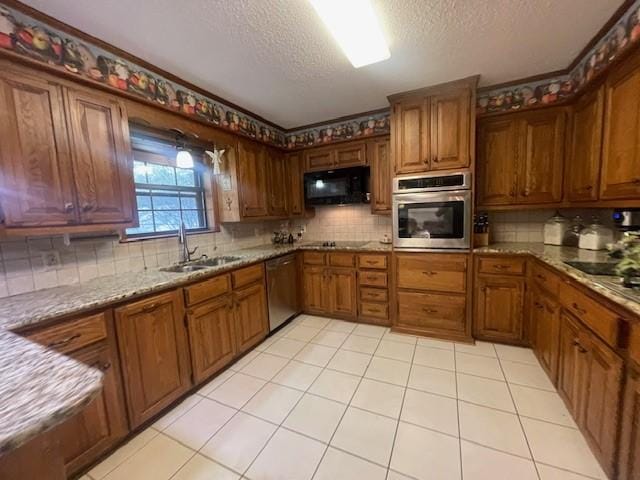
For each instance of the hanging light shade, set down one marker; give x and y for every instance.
(184, 159)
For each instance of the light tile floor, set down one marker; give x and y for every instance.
(327, 399)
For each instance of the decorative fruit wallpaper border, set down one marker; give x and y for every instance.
(624, 34)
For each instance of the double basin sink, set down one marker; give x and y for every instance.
(201, 264)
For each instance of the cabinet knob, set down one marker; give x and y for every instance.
(435, 159)
(68, 207)
(589, 187)
(525, 193)
(86, 207)
(636, 181)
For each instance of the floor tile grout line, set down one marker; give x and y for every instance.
(294, 407)
(404, 396)
(524, 433)
(588, 477)
(343, 414)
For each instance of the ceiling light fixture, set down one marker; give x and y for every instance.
(184, 159)
(354, 26)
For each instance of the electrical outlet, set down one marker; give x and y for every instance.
(50, 259)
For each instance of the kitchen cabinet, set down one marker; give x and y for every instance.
(154, 352)
(65, 156)
(252, 180)
(342, 292)
(545, 320)
(497, 161)
(277, 183)
(569, 373)
(342, 155)
(294, 184)
(620, 174)
(629, 460)
(319, 159)
(316, 297)
(380, 160)
(499, 308)
(251, 317)
(211, 327)
(582, 176)
(433, 128)
(101, 156)
(450, 130)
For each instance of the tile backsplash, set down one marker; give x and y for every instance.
(347, 222)
(528, 225)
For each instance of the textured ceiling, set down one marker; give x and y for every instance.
(275, 58)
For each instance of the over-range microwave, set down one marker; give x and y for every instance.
(432, 211)
(337, 187)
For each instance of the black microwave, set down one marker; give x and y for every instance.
(337, 187)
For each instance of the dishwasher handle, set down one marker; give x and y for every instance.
(280, 262)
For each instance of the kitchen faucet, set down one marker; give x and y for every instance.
(185, 253)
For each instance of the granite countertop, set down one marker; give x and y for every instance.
(39, 388)
(608, 286)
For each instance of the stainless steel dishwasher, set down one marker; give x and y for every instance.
(282, 287)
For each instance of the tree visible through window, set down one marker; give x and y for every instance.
(166, 196)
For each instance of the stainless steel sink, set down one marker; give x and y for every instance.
(200, 264)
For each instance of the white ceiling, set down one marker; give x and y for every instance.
(275, 58)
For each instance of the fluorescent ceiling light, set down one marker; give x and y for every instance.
(354, 25)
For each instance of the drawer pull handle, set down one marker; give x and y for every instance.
(578, 309)
(430, 273)
(502, 267)
(65, 341)
(376, 310)
(541, 277)
(578, 345)
(150, 308)
(538, 305)
(430, 310)
(102, 367)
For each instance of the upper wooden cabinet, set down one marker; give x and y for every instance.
(65, 155)
(584, 148)
(620, 177)
(277, 181)
(342, 155)
(521, 158)
(380, 161)
(252, 180)
(294, 184)
(432, 128)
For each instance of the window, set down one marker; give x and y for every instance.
(165, 194)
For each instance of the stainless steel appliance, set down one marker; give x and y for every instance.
(282, 288)
(432, 211)
(627, 220)
(337, 187)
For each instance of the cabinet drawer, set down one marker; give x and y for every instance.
(546, 279)
(351, 155)
(375, 310)
(314, 258)
(502, 265)
(208, 289)
(435, 272)
(373, 279)
(372, 261)
(601, 320)
(431, 311)
(248, 275)
(373, 294)
(72, 335)
(342, 259)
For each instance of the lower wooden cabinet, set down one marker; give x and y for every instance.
(431, 313)
(211, 336)
(499, 304)
(629, 459)
(569, 362)
(316, 297)
(154, 352)
(251, 317)
(330, 291)
(545, 321)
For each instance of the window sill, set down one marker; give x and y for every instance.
(125, 239)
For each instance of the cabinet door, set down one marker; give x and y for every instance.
(252, 175)
(211, 337)
(342, 293)
(154, 353)
(450, 125)
(541, 157)
(600, 400)
(497, 160)
(103, 422)
(277, 184)
(36, 181)
(295, 184)
(353, 154)
(379, 153)
(316, 296)
(546, 325)
(629, 465)
(410, 136)
(319, 159)
(251, 316)
(582, 175)
(620, 176)
(570, 362)
(499, 307)
(102, 159)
